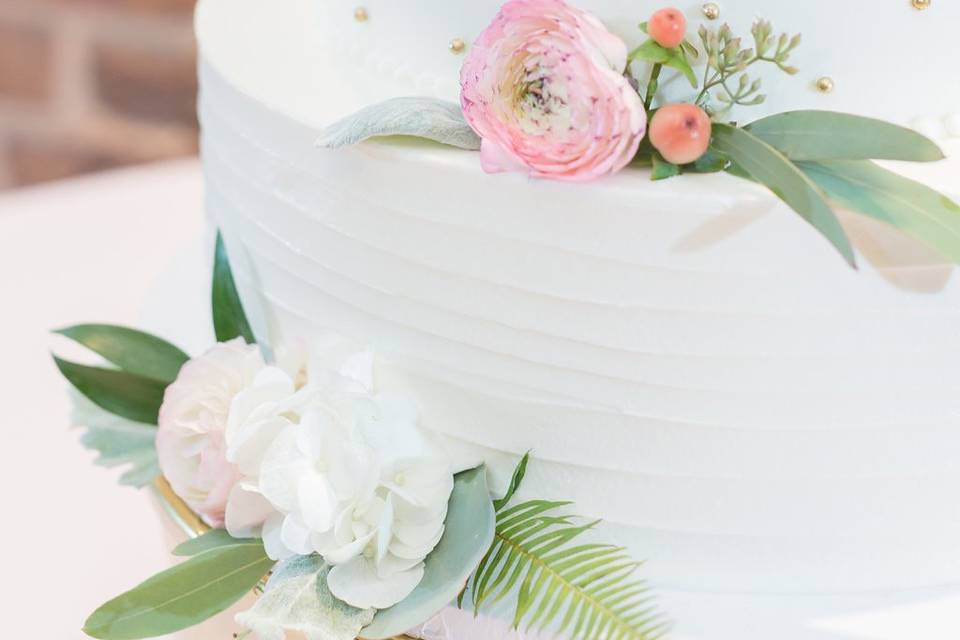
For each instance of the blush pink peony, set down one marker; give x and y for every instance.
(543, 87)
(191, 435)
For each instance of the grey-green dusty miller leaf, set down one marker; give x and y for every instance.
(118, 441)
(429, 118)
(297, 599)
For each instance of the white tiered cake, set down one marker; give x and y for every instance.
(777, 434)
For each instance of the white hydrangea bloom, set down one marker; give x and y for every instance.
(359, 483)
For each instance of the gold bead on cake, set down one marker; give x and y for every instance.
(360, 14)
(457, 46)
(825, 84)
(711, 10)
(920, 5)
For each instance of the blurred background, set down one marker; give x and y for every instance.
(88, 85)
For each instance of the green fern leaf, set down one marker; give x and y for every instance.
(583, 591)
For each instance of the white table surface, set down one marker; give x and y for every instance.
(78, 251)
(90, 250)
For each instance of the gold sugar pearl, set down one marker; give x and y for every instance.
(920, 5)
(457, 46)
(360, 14)
(711, 10)
(825, 84)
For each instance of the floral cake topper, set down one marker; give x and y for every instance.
(548, 91)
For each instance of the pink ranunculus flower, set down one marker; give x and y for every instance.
(191, 438)
(543, 87)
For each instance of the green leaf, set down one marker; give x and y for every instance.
(662, 169)
(580, 590)
(298, 599)
(229, 319)
(124, 394)
(826, 135)
(914, 208)
(182, 596)
(467, 536)
(772, 169)
(429, 118)
(690, 49)
(674, 58)
(118, 441)
(213, 539)
(711, 162)
(131, 350)
(515, 481)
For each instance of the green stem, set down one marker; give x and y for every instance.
(652, 85)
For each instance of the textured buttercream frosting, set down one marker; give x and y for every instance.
(687, 360)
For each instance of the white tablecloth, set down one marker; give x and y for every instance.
(79, 251)
(89, 250)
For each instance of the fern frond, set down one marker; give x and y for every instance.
(584, 591)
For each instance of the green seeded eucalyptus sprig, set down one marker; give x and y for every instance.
(727, 61)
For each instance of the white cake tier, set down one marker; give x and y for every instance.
(687, 359)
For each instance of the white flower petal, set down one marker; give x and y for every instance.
(281, 469)
(385, 529)
(357, 583)
(417, 535)
(348, 552)
(295, 535)
(393, 564)
(272, 541)
(246, 512)
(316, 500)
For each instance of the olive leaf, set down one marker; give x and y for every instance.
(124, 394)
(213, 539)
(130, 350)
(182, 596)
(229, 319)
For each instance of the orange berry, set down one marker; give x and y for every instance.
(680, 132)
(668, 27)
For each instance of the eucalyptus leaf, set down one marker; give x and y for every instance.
(213, 539)
(131, 350)
(297, 599)
(771, 168)
(118, 441)
(182, 596)
(467, 536)
(675, 58)
(127, 395)
(827, 135)
(229, 319)
(914, 208)
(430, 118)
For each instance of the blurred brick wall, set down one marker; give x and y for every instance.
(87, 85)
